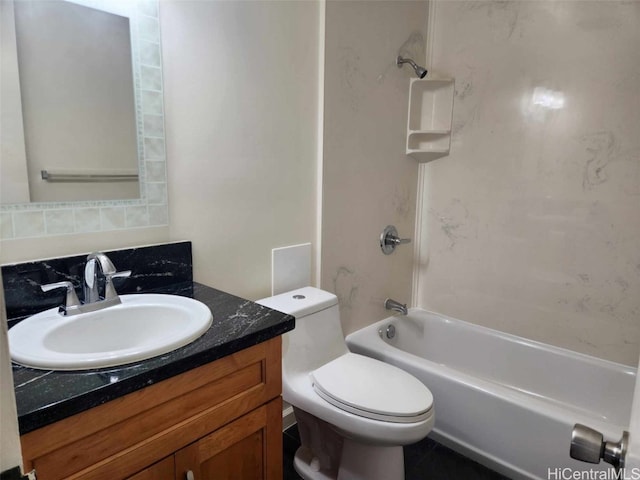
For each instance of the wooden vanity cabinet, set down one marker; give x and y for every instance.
(163, 470)
(237, 450)
(222, 420)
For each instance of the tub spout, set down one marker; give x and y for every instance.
(391, 304)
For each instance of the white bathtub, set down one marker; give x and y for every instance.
(507, 402)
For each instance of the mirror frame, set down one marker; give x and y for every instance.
(151, 209)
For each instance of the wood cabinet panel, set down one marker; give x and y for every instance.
(119, 438)
(248, 448)
(163, 470)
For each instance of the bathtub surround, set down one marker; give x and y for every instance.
(531, 224)
(44, 397)
(368, 181)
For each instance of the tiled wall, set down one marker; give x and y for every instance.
(531, 224)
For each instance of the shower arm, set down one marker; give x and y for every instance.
(421, 72)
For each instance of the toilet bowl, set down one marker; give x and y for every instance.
(354, 413)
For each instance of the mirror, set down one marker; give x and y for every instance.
(78, 105)
(66, 84)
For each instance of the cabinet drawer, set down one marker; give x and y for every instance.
(124, 436)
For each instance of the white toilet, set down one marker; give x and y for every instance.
(354, 413)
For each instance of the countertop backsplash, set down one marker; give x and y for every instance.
(153, 268)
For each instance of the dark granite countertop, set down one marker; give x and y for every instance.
(44, 397)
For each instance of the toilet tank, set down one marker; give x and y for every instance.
(317, 337)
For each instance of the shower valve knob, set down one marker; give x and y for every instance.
(588, 445)
(389, 239)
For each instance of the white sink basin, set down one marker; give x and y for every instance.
(142, 327)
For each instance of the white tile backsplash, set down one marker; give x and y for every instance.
(87, 219)
(149, 53)
(136, 216)
(112, 218)
(153, 125)
(151, 78)
(154, 148)
(59, 222)
(156, 171)
(151, 102)
(156, 193)
(6, 225)
(28, 224)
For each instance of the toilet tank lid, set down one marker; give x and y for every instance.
(300, 302)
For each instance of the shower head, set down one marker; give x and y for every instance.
(420, 71)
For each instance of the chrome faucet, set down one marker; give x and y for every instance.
(90, 284)
(391, 304)
(96, 261)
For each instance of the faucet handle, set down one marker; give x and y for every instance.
(389, 240)
(72, 298)
(122, 274)
(109, 289)
(397, 241)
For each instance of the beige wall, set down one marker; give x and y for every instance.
(531, 224)
(241, 103)
(241, 90)
(368, 181)
(23, 249)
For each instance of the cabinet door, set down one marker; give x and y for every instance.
(163, 470)
(249, 448)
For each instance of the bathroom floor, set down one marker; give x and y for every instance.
(425, 459)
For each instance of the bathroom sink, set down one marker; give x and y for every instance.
(141, 327)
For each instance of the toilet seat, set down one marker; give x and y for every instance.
(373, 389)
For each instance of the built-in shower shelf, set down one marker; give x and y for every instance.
(429, 119)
